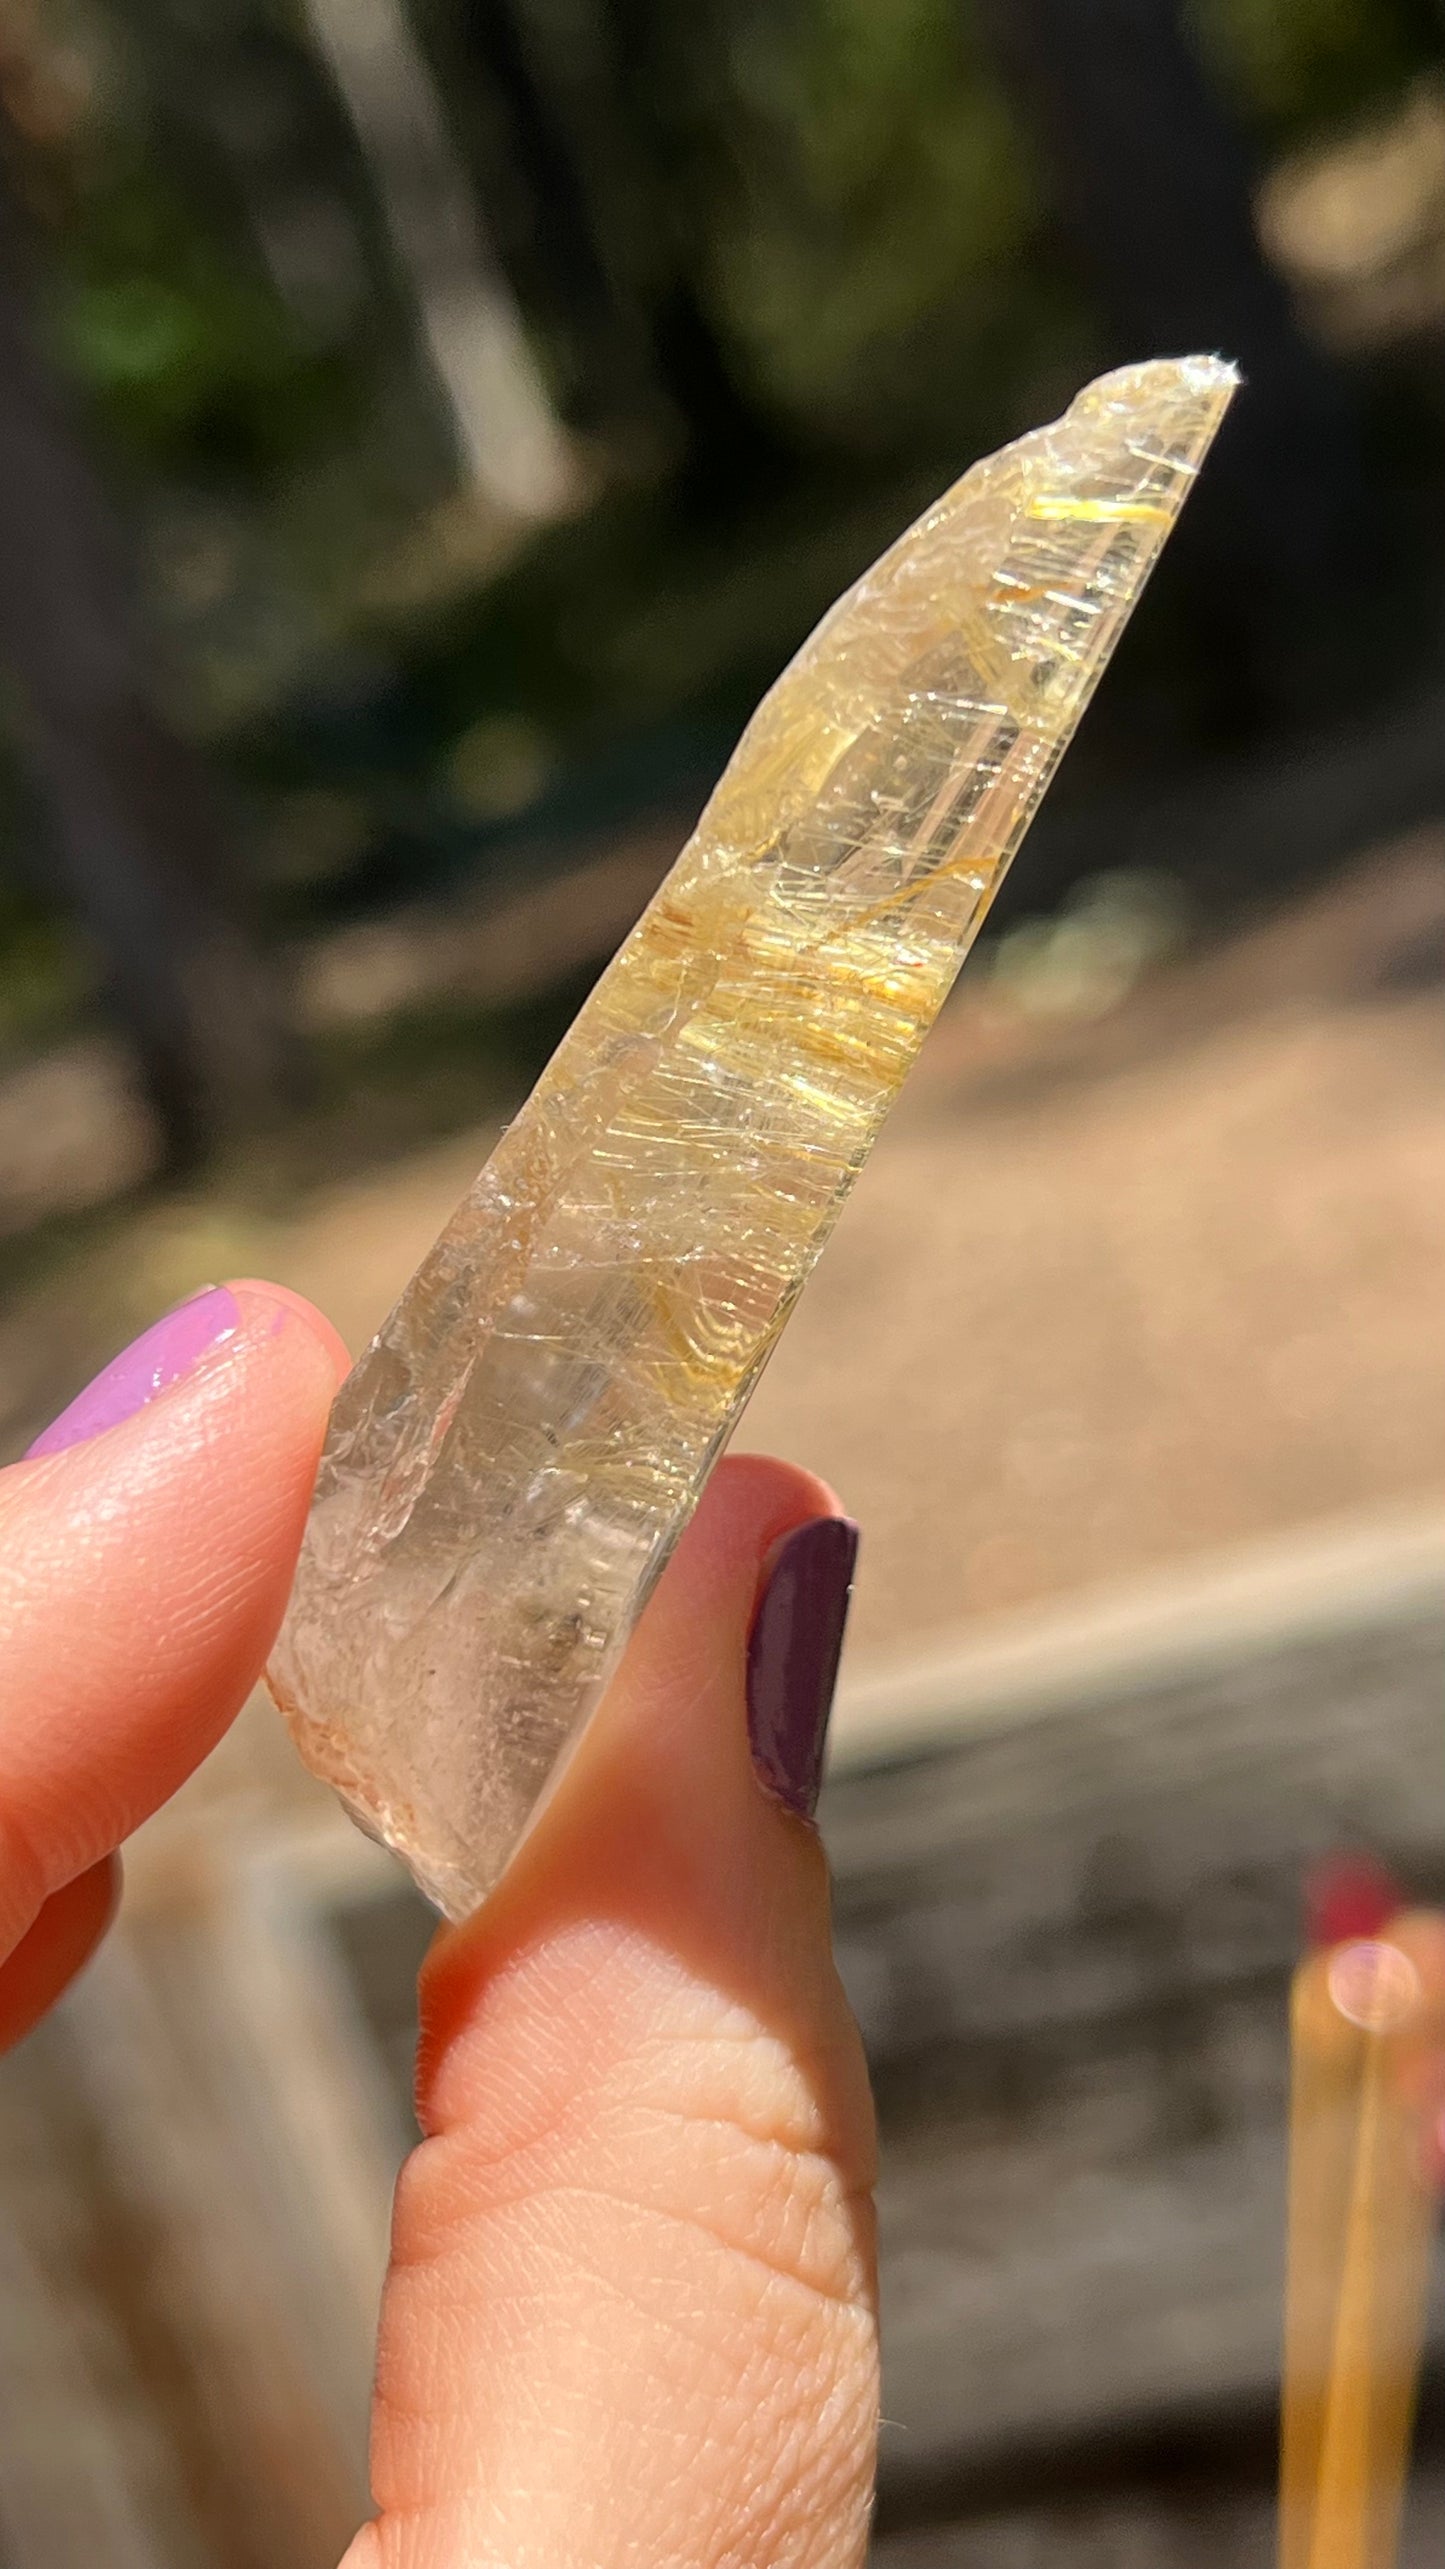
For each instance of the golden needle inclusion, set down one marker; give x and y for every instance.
(513, 1458)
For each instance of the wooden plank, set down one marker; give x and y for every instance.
(1209, 2507)
(1201, 2528)
(206, 2055)
(196, 2157)
(1068, 1941)
(87, 2472)
(1068, 1937)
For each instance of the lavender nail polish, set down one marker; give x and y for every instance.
(150, 1364)
(793, 1654)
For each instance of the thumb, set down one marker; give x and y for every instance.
(630, 2316)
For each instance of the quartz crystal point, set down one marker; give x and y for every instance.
(513, 1458)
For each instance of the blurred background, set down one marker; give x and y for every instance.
(426, 426)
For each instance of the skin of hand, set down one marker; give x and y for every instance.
(631, 2312)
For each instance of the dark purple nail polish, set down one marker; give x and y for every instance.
(150, 1364)
(793, 1654)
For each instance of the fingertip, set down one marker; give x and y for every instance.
(752, 1503)
(636, 2060)
(257, 1294)
(149, 1549)
(663, 1778)
(766, 1492)
(216, 1334)
(451, 1971)
(56, 1947)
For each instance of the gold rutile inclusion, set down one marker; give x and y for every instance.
(513, 1458)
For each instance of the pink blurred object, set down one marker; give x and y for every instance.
(1348, 1896)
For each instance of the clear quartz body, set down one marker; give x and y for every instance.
(513, 1458)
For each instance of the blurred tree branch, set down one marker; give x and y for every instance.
(134, 843)
(507, 433)
(608, 192)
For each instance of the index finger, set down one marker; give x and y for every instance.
(143, 1572)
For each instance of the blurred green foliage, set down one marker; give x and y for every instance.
(1303, 65)
(193, 363)
(44, 976)
(882, 247)
(895, 197)
(864, 228)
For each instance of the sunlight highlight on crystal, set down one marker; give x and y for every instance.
(513, 1458)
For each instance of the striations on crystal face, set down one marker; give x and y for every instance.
(513, 1458)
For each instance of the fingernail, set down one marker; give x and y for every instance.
(150, 1364)
(793, 1654)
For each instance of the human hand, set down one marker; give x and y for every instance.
(630, 2316)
